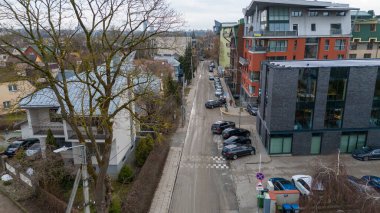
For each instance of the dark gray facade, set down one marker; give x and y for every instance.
(280, 94)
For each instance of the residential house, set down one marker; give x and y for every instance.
(365, 41)
(291, 30)
(11, 91)
(319, 107)
(177, 72)
(224, 44)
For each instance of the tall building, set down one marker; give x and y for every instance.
(365, 42)
(291, 30)
(318, 107)
(224, 44)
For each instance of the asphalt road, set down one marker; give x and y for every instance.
(204, 181)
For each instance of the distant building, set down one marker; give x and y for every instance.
(171, 45)
(11, 91)
(291, 30)
(365, 42)
(177, 72)
(317, 107)
(224, 44)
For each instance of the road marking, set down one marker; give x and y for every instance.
(204, 166)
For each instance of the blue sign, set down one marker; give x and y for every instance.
(260, 176)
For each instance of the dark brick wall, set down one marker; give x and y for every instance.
(301, 143)
(359, 97)
(330, 142)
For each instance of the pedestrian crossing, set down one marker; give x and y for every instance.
(204, 162)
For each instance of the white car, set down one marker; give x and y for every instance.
(34, 149)
(303, 183)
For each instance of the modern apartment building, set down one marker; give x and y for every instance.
(291, 30)
(365, 42)
(317, 107)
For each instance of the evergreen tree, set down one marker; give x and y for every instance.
(186, 62)
(50, 140)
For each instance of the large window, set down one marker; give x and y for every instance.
(327, 44)
(336, 29)
(297, 13)
(315, 147)
(339, 44)
(375, 113)
(336, 97)
(278, 46)
(307, 84)
(12, 87)
(280, 144)
(278, 14)
(278, 26)
(313, 13)
(263, 20)
(351, 141)
(311, 48)
(6, 104)
(372, 27)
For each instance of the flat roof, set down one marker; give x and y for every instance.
(327, 63)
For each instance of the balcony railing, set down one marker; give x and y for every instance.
(258, 49)
(335, 31)
(98, 136)
(43, 129)
(271, 33)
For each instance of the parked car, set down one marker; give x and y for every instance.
(252, 109)
(367, 153)
(219, 126)
(302, 183)
(282, 184)
(373, 181)
(234, 151)
(33, 150)
(211, 77)
(360, 185)
(210, 69)
(219, 92)
(212, 65)
(237, 140)
(218, 87)
(235, 132)
(210, 104)
(20, 144)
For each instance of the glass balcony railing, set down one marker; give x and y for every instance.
(258, 49)
(335, 31)
(271, 33)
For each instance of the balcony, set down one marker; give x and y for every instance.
(98, 135)
(43, 129)
(336, 32)
(265, 33)
(258, 49)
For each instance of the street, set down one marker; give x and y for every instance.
(204, 180)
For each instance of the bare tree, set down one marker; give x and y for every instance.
(105, 33)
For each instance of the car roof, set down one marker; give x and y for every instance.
(18, 142)
(306, 178)
(231, 146)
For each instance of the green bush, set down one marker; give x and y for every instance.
(7, 183)
(125, 174)
(20, 154)
(50, 139)
(143, 149)
(115, 205)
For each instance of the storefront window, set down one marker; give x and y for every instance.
(315, 147)
(351, 141)
(281, 144)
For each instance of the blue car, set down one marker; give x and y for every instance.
(282, 184)
(373, 181)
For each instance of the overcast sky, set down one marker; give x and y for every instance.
(200, 14)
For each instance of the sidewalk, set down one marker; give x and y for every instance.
(232, 110)
(164, 191)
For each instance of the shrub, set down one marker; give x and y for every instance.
(125, 174)
(50, 140)
(143, 149)
(115, 205)
(7, 183)
(20, 154)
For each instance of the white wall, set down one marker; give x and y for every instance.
(322, 24)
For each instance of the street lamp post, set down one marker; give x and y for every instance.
(86, 193)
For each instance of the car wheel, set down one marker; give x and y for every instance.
(252, 152)
(234, 157)
(365, 158)
(212, 107)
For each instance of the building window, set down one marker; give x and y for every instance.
(372, 27)
(276, 58)
(294, 57)
(313, 13)
(357, 27)
(336, 97)
(307, 84)
(311, 48)
(315, 147)
(341, 13)
(313, 27)
(351, 141)
(54, 117)
(370, 44)
(325, 13)
(12, 88)
(340, 56)
(327, 44)
(352, 56)
(7, 104)
(297, 13)
(339, 44)
(278, 46)
(280, 144)
(325, 57)
(278, 27)
(375, 113)
(278, 14)
(367, 55)
(295, 45)
(295, 27)
(336, 29)
(354, 45)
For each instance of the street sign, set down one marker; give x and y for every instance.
(260, 176)
(259, 186)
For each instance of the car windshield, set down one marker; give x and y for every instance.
(35, 146)
(15, 144)
(367, 149)
(231, 139)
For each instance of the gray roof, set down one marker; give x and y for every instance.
(78, 93)
(327, 63)
(170, 59)
(68, 74)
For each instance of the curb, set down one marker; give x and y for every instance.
(13, 200)
(232, 114)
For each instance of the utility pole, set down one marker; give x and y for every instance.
(86, 193)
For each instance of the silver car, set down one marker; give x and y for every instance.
(34, 149)
(219, 92)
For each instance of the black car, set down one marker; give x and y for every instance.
(234, 151)
(20, 144)
(252, 109)
(367, 153)
(235, 132)
(237, 140)
(214, 103)
(219, 126)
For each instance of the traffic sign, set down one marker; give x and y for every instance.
(260, 176)
(259, 186)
